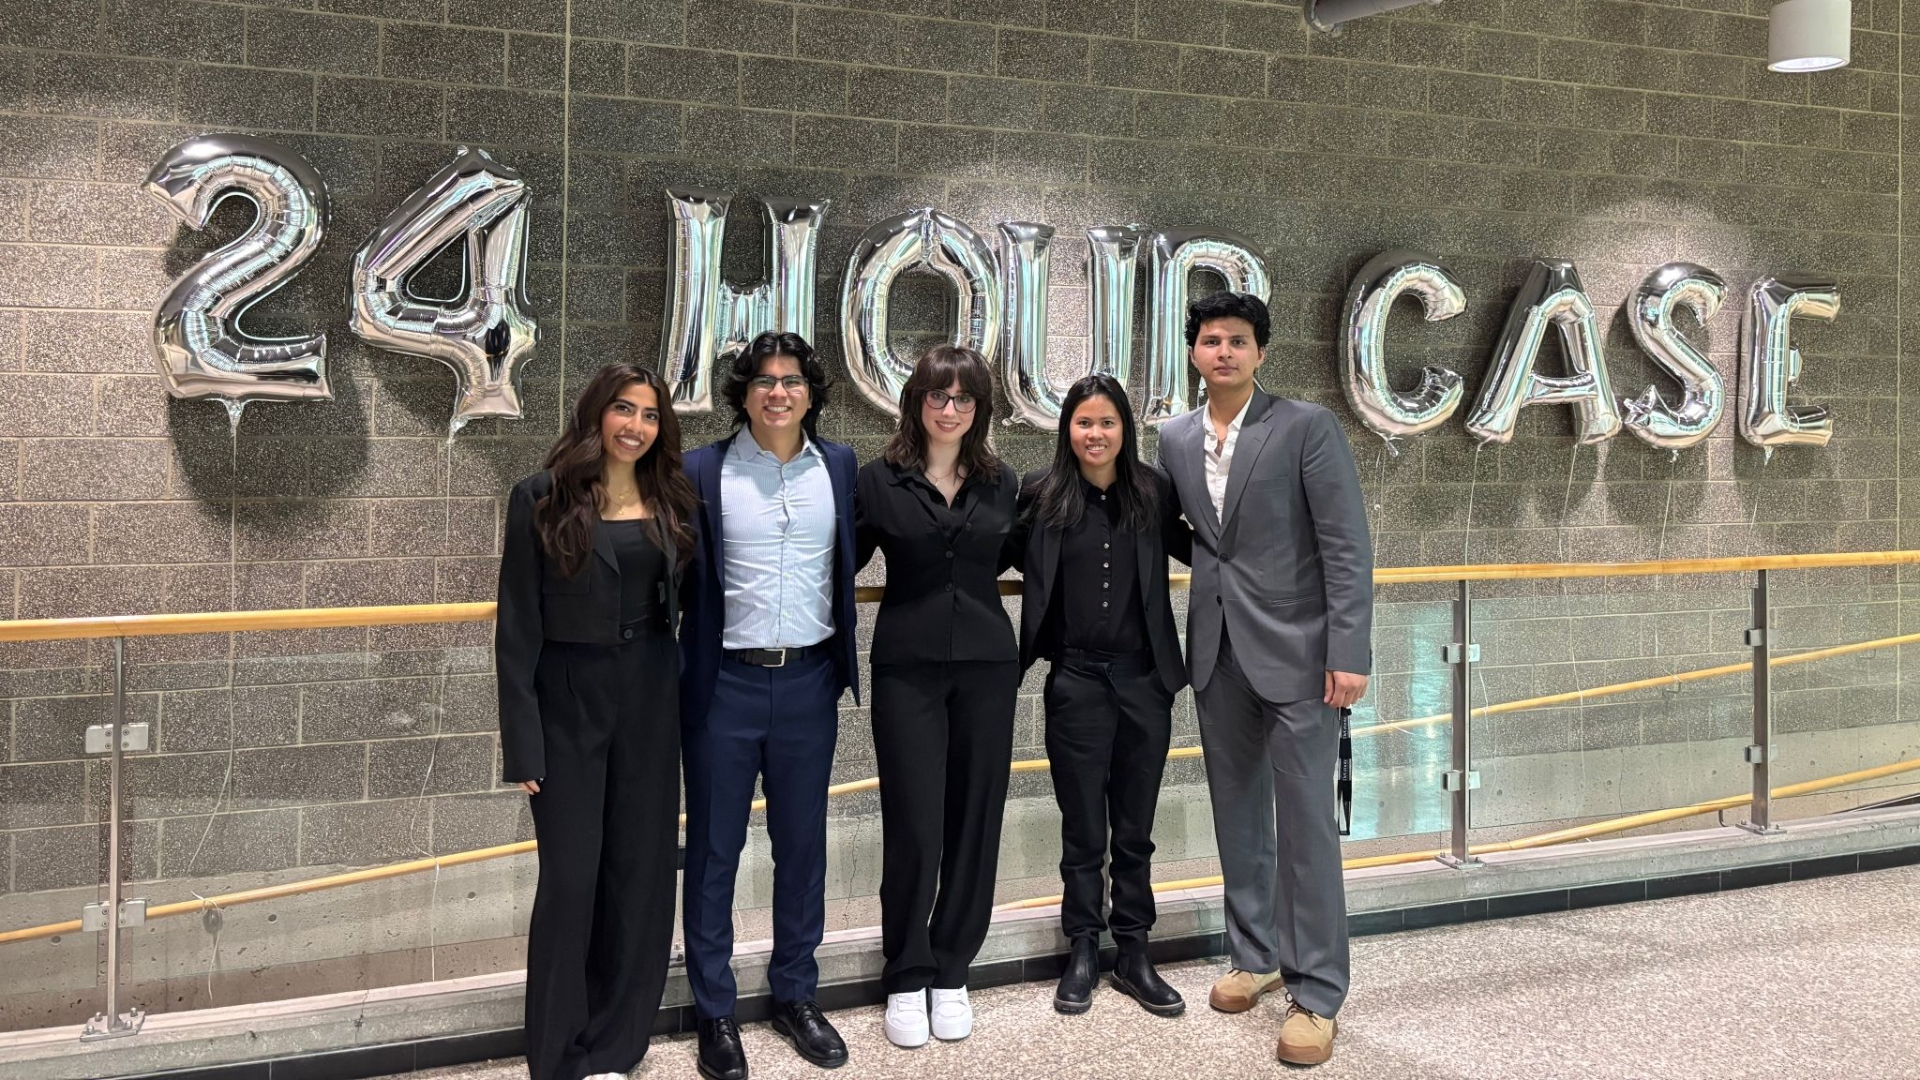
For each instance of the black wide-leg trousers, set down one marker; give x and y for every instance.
(607, 820)
(1108, 728)
(943, 738)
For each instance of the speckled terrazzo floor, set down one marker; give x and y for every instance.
(1813, 979)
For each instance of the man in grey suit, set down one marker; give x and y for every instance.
(1279, 627)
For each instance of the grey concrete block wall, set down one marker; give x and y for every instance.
(1620, 134)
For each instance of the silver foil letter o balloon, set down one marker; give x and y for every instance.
(924, 238)
(1363, 353)
(487, 334)
(198, 341)
(1175, 254)
(1703, 392)
(1551, 299)
(1769, 362)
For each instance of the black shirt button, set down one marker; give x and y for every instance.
(1103, 603)
(1106, 566)
(626, 635)
(949, 586)
(1104, 547)
(1106, 584)
(949, 554)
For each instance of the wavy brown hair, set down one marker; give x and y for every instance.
(939, 368)
(565, 518)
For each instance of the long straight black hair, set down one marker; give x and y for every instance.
(1059, 497)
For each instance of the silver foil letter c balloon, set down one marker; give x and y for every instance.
(1175, 254)
(201, 348)
(486, 335)
(1363, 355)
(706, 316)
(1551, 299)
(924, 238)
(1703, 392)
(1769, 362)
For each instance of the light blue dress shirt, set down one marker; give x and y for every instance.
(777, 527)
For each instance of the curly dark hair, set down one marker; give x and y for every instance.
(1229, 305)
(746, 364)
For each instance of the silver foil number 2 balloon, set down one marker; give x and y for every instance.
(1175, 254)
(1551, 298)
(486, 335)
(1703, 393)
(198, 341)
(1769, 363)
(1363, 353)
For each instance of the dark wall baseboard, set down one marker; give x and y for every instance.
(362, 1062)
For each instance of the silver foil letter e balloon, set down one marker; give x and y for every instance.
(1769, 362)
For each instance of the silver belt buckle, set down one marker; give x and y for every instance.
(783, 658)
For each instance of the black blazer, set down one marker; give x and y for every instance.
(1038, 637)
(539, 604)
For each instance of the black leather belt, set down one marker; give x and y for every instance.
(1125, 663)
(775, 657)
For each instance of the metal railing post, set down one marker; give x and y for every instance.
(112, 1022)
(1461, 654)
(1760, 753)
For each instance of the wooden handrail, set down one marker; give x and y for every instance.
(220, 622)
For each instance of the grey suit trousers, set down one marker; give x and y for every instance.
(1286, 898)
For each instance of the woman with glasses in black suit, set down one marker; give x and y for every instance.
(946, 667)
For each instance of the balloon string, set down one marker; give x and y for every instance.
(1473, 485)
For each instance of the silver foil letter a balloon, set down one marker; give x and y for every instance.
(486, 335)
(1363, 352)
(1769, 363)
(1175, 254)
(1703, 392)
(1551, 298)
(928, 239)
(201, 348)
(707, 317)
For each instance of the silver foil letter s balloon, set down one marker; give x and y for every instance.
(1769, 362)
(1703, 393)
(485, 335)
(1175, 254)
(201, 348)
(1363, 354)
(1551, 299)
(924, 238)
(707, 317)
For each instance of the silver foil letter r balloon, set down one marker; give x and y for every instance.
(486, 335)
(201, 347)
(1363, 353)
(1769, 362)
(1551, 299)
(1703, 392)
(1174, 255)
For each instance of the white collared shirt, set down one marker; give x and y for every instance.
(777, 525)
(1219, 457)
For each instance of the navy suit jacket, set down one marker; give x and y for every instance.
(703, 597)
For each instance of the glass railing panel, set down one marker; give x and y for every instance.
(1403, 727)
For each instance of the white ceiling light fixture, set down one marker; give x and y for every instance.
(1810, 35)
(1327, 15)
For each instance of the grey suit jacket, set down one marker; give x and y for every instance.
(1288, 573)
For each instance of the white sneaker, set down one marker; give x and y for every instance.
(952, 1014)
(907, 1019)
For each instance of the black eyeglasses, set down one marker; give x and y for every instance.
(939, 398)
(792, 384)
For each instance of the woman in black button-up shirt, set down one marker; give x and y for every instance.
(946, 668)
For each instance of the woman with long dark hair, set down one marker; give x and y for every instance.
(589, 717)
(946, 668)
(1100, 525)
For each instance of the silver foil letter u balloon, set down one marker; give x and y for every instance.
(1769, 362)
(928, 239)
(201, 348)
(707, 317)
(1551, 298)
(486, 335)
(1703, 392)
(1363, 352)
(1175, 254)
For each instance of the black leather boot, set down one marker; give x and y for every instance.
(805, 1026)
(721, 1056)
(1075, 994)
(1133, 975)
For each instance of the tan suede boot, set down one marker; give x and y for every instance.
(1237, 991)
(1306, 1038)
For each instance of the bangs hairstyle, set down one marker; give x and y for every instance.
(566, 517)
(939, 368)
(1229, 305)
(1059, 496)
(747, 362)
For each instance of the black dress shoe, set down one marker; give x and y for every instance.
(805, 1026)
(721, 1056)
(1134, 976)
(1075, 993)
